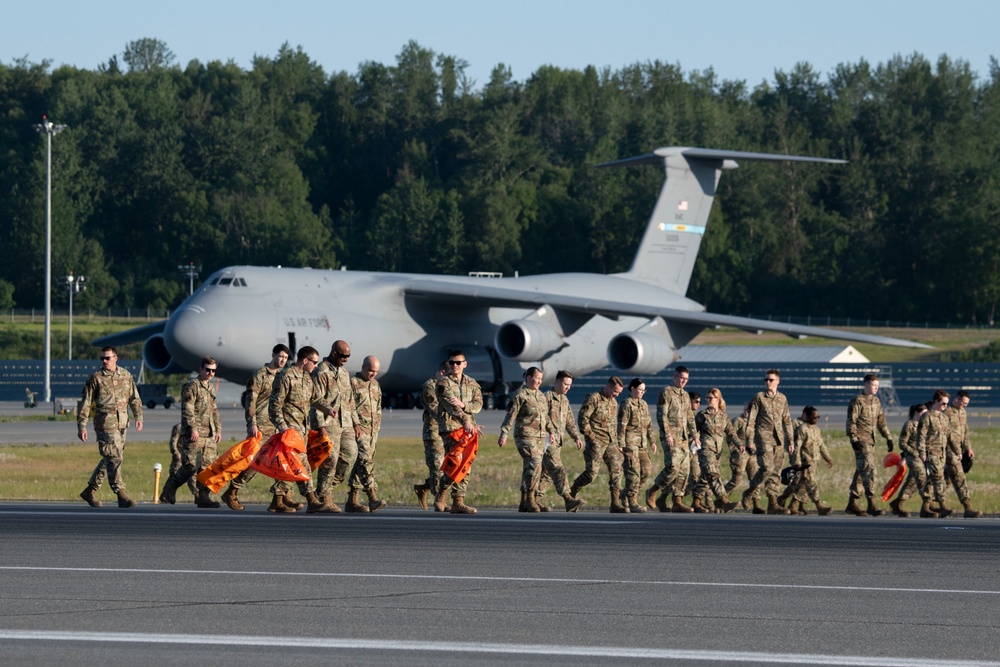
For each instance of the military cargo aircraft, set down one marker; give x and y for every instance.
(635, 320)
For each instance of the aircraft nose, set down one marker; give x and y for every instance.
(185, 334)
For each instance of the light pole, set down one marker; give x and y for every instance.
(73, 284)
(191, 271)
(50, 129)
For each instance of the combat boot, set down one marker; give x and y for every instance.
(853, 508)
(926, 512)
(124, 501)
(725, 505)
(634, 506)
(897, 508)
(872, 510)
(530, 504)
(651, 496)
(699, 507)
(793, 507)
(757, 509)
(291, 502)
(204, 500)
(352, 506)
(231, 499)
(616, 503)
(319, 504)
(821, 508)
(783, 498)
(421, 490)
(374, 503)
(523, 505)
(542, 506)
(969, 512)
(278, 505)
(573, 504)
(90, 495)
(773, 507)
(661, 501)
(169, 493)
(458, 506)
(441, 502)
(802, 509)
(943, 511)
(745, 500)
(679, 505)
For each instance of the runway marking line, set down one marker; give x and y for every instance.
(484, 648)
(533, 580)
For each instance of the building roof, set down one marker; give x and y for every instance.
(768, 354)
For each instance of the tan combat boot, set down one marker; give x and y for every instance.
(943, 511)
(421, 490)
(793, 507)
(969, 512)
(458, 506)
(897, 508)
(374, 503)
(540, 501)
(317, 505)
(634, 506)
(699, 507)
(291, 502)
(773, 507)
(124, 501)
(679, 505)
(926, 512)
(725, 505)
(278, 505)
(821, 508)
(441, 500)
(616, 502)
(90, 495)
(353, 506)
(872, 510)
(573, 504)
(231, 499)
(853, 508)
(530, 504)
(651, 496)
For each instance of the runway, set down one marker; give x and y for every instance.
(175, 585)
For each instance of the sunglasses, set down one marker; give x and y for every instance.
(456, 362)
(343, 356)
(210, 370)
(106, 358)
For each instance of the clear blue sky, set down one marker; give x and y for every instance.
(744, 39)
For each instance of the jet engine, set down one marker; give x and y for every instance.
(157, 357)
(640, 353)
(526, 340)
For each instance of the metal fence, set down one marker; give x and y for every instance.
(66, 378)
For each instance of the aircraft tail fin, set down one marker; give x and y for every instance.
(673, 234)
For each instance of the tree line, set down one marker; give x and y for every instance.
(412, 166)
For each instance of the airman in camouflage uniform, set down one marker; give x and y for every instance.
(769, 429)
(368, 401)
(111, 391)
(677, 435)
(201, 432)
(343, 430)
(740, 460)
(958, 444)
(460, 399)
(713, 428)
(916, 472)
(694, 476)
(294, 394)
(255, 401)
(636, 439)
(809, 448)
(433, 444)
(561, 416)
(175, 458)
(598, 424)
(932, 443)
(528, 415)
(864, 417)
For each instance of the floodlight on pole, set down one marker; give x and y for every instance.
(191, 271)
(73, 284)
(50, 129)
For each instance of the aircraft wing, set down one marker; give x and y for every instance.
(135, 335)
(502, 296)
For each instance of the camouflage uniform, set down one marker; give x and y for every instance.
(451, 417)
(676, 419)
(916, 471)
(111, 393)
(740, 463)
(597, 422)
(714, 428)
(864, 416)
(335, 386)
(256, 398)
(561, 417)
(199, 412)
(932, 443)
(175, 457)
(809, 448)
(293, 394)
(433, 444)
(769, 431)
(636, 438)
(528, 414)
(958, 444)
(368, 402)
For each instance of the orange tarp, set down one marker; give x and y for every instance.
(893, 459)
(279, 457)
(236, 459)
(458, 461)
(318, 449)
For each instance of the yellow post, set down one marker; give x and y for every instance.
(156, 483)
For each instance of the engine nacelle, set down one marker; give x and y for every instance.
(640, 353)
(526, 340)
(157, 357)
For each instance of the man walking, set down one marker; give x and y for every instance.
(598, 422)
(864, 417)
(368, 402)
(769, 429)
(460, 399)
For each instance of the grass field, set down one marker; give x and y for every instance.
(59, 473)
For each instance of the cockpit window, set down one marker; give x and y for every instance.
(225, 281)
(215, 281)
(243, 282)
